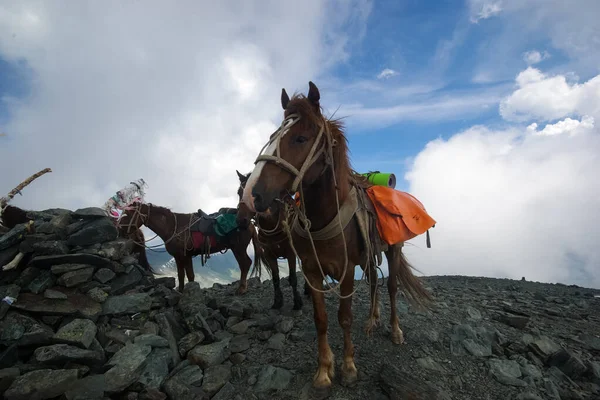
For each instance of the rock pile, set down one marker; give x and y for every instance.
(80, 319)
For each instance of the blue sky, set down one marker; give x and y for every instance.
(486, 110)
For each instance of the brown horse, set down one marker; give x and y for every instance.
(174, 229)
(309, 154)
(274, 244)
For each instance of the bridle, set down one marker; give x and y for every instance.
(311, 158)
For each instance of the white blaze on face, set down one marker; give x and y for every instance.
(247, 197)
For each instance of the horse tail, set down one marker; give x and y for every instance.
(411, 285)
(258, 253)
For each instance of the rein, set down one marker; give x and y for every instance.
(298, 212)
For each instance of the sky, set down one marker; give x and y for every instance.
(486, 110)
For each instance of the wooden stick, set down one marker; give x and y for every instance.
(5, 200)
(14, 262)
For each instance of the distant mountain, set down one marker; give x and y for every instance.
(220, 268)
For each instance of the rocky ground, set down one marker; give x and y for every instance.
(80, 319)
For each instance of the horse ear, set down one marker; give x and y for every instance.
(242, 177)
(313, 94)
(285, 99)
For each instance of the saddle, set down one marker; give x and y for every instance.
(207, 224)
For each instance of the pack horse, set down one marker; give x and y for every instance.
(342, 220)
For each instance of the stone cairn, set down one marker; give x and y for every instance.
(80, 319)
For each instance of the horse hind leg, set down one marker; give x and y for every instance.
(244, 262)
(393, 258)
(180, 273)
(189, 269)
(375, 312)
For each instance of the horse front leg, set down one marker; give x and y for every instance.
(326, 368)
(349, 372)
(298, 303)
(180, 273)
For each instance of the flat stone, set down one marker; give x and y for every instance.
(285, 325)
(398, 384)
(215, 377)
(104, 275)
(98, 231)
(152, 394)
(128, 365)
(51, 247)
(79, 332)
(167, 281)
(506, 372)
(227, 392)
(42, 282)
(46, 262)
(191, 375)
(64, 268)
(23, 330)
(156, 368)
(117, 249)
(192, 300)
(516, 321)
(54, 294)
(7, 377)
(176, 389)
(89, 388)
(59, 354)
(276, 341)
(41, 384)
(76, 304)
(430, 364)
(189, 341)
(568, 363)
(241, 327)
(272, 378)
(97, 295)
(208, 355)
(473, 313)
(544, 347)
(89, 212)
(75, 278)
(237, 358)
(127, 304)
(239, 344)
(125, 282)
(151, 340)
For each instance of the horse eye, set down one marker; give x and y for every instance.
(301, 139)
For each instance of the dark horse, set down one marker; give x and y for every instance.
(174, 229)
(309, 153)
(274, 244)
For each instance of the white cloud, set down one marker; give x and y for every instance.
(387, 73)
(179, 95)
(567, 126)
(484, 9)
(545, 97)
(535, 57)
(517, 201)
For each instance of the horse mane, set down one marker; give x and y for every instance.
(341, 152)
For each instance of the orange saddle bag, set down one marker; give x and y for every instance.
(400, 216)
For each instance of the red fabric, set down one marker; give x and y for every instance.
(198, 239)
(400, 216)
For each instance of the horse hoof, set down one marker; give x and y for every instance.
(277, 305)
(349, 380)
(319, 393)
(298, 303)
(398, 338)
